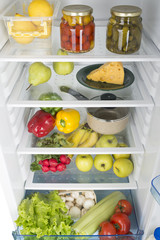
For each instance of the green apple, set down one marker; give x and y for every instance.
(63, 68)
(107, 141)
(103, 162)
(123, 167)
(84, 162)
(118, 155)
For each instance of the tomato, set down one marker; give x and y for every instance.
(67, 30)
(64, 38)
(88, 30)
(79, 30)
(83, 39)
(124, 206)
(121, 222)
(68, 45)
(86, 45)
(107, 228)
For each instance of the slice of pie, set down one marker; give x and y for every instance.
(111, 72)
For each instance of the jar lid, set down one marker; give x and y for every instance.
(77, 10)
(126, 11)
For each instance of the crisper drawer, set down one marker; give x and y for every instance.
(135, 234)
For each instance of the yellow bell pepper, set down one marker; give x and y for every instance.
(67, 120)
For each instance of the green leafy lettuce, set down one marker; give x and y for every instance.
(44, 214)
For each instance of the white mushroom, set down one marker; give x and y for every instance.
(69, 198)
(80, 200)
(69, 205)
(75, 212)
(75, 195)
(88, 203)
(83, 211)
(89, 194)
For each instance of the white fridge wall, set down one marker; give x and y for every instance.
(3, 31)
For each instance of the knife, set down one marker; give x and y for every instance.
(74, 93)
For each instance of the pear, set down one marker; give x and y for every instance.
(63, 68)
(38, 73)
(23, 26)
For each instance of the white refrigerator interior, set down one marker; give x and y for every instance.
(17, 145)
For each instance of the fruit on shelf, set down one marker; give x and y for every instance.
(20, 27)
(38, 73)
(118, 155)
(123, 167)
(84, 162)
(91, 140)
(83, 137)
(63, 68)
(103, 162)
(40, 8)
(108, 141)
(67, 120)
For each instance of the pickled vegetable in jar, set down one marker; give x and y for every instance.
(77, 28)
(124, 29)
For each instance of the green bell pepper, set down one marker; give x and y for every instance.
(50, 96)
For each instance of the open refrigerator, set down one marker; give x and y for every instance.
(17, 146)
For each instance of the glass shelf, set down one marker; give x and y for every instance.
(136, 95)
(74, 179)
(148, 51)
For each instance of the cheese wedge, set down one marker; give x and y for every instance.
(111, 72)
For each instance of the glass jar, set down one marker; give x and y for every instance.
(77, 28)
(124, 29)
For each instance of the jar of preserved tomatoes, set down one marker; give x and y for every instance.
(77, 28)
(124, 29)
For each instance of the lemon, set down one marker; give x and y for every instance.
(40, 8)
(20, 27)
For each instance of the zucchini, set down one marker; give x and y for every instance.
(103, 210)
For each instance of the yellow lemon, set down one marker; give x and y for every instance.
(23, 40)
(21, 27)
(40, 8)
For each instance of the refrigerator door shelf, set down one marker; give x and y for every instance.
(148, 51)
(135, 95)
(100, 194)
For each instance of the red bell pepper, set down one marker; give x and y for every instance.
(41, 123)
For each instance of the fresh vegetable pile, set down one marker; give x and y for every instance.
(44, 214)
(51, 163)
